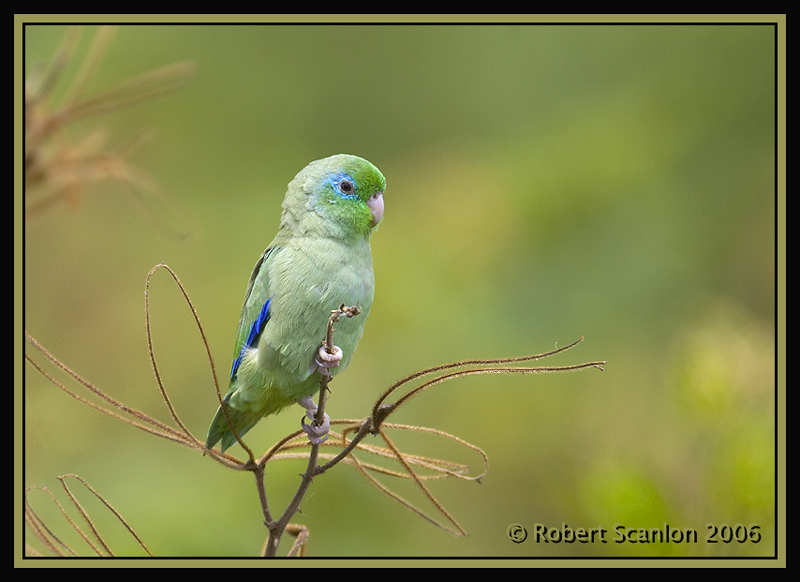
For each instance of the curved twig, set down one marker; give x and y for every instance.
(374, 424)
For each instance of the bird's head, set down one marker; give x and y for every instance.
(340, 196)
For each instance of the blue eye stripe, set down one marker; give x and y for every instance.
(337, 180)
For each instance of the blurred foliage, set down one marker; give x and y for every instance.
(544, 182)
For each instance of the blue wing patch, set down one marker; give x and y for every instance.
(252, 337)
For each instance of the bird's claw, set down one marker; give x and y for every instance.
(325, 361)
(317, 433)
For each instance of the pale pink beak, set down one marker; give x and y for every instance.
(375, 204)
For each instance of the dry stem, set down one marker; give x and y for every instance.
(317, 462)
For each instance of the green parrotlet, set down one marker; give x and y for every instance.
(319, 259)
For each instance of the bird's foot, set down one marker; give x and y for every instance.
(317, 433)
(325, 362)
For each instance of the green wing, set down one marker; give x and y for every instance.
(255, 311)
(255, 315)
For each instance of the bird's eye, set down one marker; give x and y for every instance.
(346, 186)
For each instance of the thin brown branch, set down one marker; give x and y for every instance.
(161, 429)
(94, 540)
(119, 517)
(402, 459)
(221, 457)
(381, 410)
(151, 352)
(277, 528)
(398, 498)
(503, 370)
(473, 362)
(364, 430)
(85, 516)
(40, 528)
(317, 462)
(300, 533)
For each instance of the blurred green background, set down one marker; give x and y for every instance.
(545, 182)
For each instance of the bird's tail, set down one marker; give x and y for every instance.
(220, 429)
